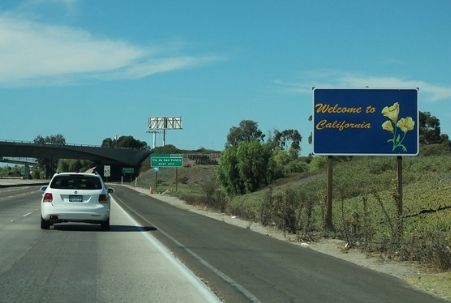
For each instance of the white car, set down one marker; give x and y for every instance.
(75, 197)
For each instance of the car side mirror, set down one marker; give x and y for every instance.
(110, 190)
(44, 188)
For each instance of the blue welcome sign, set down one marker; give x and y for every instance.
(365, 122)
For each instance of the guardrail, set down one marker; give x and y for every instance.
(58, 144)
(31, 142)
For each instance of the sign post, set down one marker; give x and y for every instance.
(328, 218)
(156, 180)
(365, 122)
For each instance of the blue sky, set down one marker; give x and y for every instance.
(96, 69)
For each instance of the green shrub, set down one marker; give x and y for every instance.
(381, 164)
(317, 163)
(429, 247)
(214, 197)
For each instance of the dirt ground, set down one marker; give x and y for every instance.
(438, 284)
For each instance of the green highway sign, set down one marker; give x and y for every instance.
(166, 160)
(128, 170)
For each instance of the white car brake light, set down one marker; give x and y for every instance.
(47, 197)
(103, 198)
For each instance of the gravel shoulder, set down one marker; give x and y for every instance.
(414, 274)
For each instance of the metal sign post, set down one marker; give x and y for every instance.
(156, 181)
(176, 180)
(328, 224)
(399, 197)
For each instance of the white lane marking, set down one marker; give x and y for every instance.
(219, 273)
(19, 195)
(27, 214)
(192, 278)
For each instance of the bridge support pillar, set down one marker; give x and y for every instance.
(27, 172)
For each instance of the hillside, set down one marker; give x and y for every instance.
(364, 211)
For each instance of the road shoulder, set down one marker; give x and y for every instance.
(412, 273)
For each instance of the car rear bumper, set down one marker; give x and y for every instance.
(63, 214)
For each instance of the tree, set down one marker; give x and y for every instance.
(248, 163)
(253, 158)
(49, 165)
(73, 165)
(289, 138)
(52, 139)
(63, 166)
(227, 172)
(109, 143)
(284, 162)
(430, 132)
(124, 142)
(167, 149)
(246, 131)
(246, 168)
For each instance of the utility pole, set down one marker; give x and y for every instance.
(164, 137)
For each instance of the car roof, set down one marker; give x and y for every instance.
(75, 173)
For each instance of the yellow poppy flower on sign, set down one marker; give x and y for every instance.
(391, 112)
(394, 126)
(388, 126)
(406, 124)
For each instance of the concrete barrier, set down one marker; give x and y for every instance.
(14, 182)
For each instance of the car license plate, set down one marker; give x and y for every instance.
(75, 198)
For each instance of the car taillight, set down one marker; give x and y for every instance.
(103, 198)
(47, 197)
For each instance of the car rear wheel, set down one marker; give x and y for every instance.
(105, 224)
(45, 224)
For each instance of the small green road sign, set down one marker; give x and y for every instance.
(128, 170)
(166, 160)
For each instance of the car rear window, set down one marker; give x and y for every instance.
(76, 182)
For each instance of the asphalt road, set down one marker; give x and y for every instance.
(243, 266)
(81, 263)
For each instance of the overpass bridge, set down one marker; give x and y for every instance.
(116, 157)
(19, 161)
(25, 162)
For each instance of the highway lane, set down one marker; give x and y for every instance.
(243, 266)
(81, 263)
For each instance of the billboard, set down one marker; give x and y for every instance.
(381, 122)
(160, 123)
